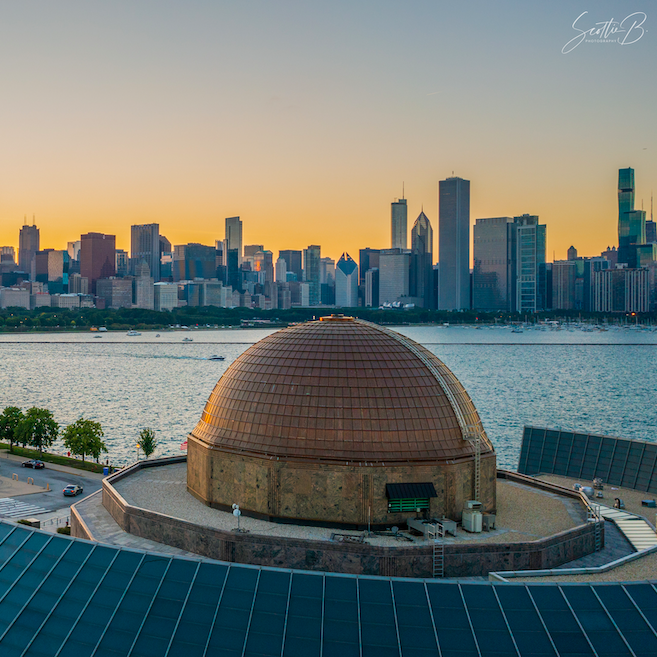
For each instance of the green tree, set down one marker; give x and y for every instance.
(147, 441)
(84, 437)
(38, 429)
(9, 420)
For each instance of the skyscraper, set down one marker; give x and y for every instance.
(631, 222)
(97, 258)
(281, 270)
(194, 260)
(293, 262)
(399, 213)
(346, 282)
(527, 264)
(28, 245)
(454, 243)
(368, 259)
(234, 236)
(490, 280)
(145, 245)
(263, 263)
(311, 258)
(422, 261)
(394, 274)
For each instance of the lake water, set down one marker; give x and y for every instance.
(600, 382)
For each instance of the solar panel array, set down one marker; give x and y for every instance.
(67, 597)
(617, 461)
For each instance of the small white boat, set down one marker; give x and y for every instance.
(132, 333)
(188, 340)
(157, 335)
(215, 357)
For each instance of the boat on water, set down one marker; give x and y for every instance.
(188, 340)
(132, 333)
(515, 330)
(157, 335)
(215, 357)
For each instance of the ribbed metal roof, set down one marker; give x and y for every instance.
(409, 491)
(340, 390)
(68, 597)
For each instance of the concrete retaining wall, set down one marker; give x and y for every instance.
(404, 561)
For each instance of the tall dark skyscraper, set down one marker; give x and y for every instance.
(399, 224)
(454, 243)
(28, 245)
(97, 257)
(421, 280)
(293, 262)
(145, 245)
(311, 258)
(631, 222)
(490, 281)
(368, 259)
(234, 236)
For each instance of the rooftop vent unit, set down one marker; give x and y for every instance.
(472, 519)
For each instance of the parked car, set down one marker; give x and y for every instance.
(34, 463)
(72, 490)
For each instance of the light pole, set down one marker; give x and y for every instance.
(237, 513)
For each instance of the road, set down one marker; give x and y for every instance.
(53, 499)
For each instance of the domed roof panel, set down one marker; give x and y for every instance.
(339, 390)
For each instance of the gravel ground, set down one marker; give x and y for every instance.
(631, 498)
(524, 514)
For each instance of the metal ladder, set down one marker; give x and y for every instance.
(438, 554)
(593, 515)
(474, 436)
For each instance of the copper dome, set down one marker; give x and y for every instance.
(340, 390)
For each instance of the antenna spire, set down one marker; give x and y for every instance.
(403, 192)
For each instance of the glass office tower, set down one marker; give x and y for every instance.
(454, 244)
(421, 281)
(491, 256)
(527, 275)
(399, 224)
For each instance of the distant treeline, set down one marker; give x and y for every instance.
(19, 319)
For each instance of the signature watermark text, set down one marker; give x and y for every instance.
(624, 33)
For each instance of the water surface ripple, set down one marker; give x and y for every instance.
(599, 382)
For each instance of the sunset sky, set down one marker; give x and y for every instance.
(305, 118)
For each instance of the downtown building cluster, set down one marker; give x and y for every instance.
(510, 271)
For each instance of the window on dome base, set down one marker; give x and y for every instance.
(408, 504)
(409, 497)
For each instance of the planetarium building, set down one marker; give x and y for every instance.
(343, 423)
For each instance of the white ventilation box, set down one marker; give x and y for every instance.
(472, 505)
(472, 520)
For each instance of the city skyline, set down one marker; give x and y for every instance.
(308, 121)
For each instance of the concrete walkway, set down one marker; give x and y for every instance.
(104, 529)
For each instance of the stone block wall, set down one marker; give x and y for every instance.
(342, 495)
